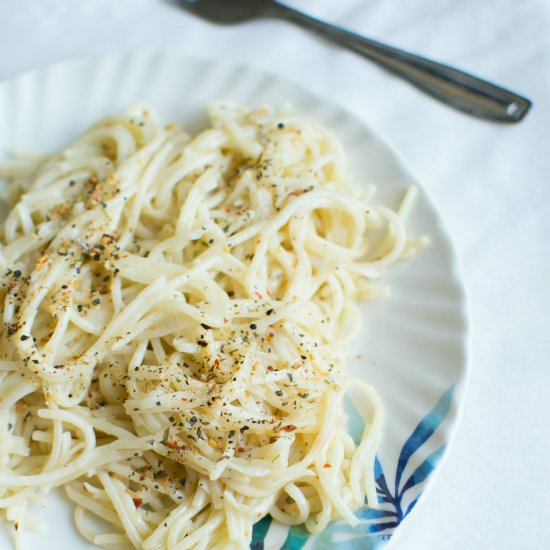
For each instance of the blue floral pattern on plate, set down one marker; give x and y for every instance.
(396, 500)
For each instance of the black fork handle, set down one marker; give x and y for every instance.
(456, 88)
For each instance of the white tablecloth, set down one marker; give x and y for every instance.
(490, 181)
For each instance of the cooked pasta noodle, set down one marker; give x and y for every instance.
(174, 311)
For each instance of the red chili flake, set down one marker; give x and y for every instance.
(259, 295)
(327, 465)
(172, 444)
(137, 502)
(141, 478)
(241, 449)
(225, 321)
(216, 363)
(289, 428)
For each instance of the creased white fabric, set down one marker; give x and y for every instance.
(491, 182)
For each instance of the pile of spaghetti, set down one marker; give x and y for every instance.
(173, 312)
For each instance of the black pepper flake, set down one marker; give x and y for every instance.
(192, 421)
(280, 125)
(304, 395)
(202, 343)
(205, 326)
(157, 403)
(279, 393)
(79, 307)
(269, 312)
(244, 428)
(231, 434)
(96, 301)
(24, 337)
(17, 273)
(253, 326)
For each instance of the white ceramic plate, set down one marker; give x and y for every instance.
(412, 346)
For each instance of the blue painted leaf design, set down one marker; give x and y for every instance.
(424, 470)
(378, 472)
(411, 506)
(373, 513)
(423, 432)
(381, 484)
(377, 527)
(259, 532)
(296, 538)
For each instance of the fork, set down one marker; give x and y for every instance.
(454, 87)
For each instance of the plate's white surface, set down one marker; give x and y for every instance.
(412, 346)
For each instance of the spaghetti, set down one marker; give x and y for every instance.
(174, 310)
